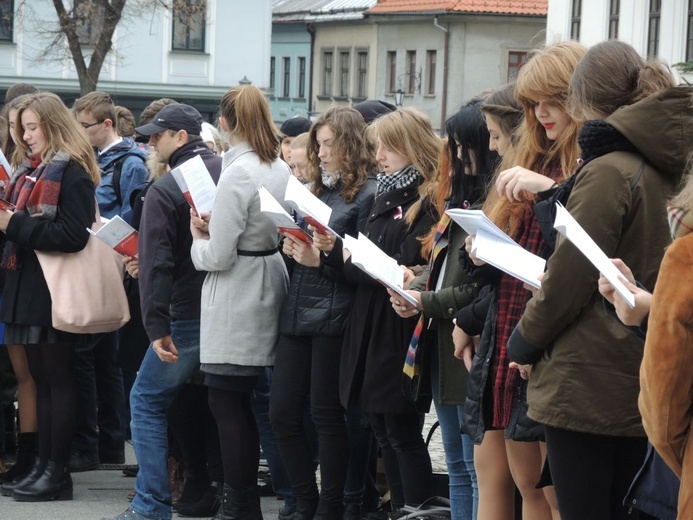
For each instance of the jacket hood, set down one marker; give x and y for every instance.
(661, 127)
(126, 146)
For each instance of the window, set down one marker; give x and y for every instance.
(689, 37)
(301, 78)
(575, 15)
(653, 28)
(362, 74)
(287, 77)
(431, 59)
(614, 10)
(189, 25)
(411, 71)
(391, 71)
(327, 73)
(6, 20)
(344, 74)
(89, 20)
(516, 59)
(273, 62)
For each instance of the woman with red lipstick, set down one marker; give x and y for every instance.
(53, 194)
(508, 452)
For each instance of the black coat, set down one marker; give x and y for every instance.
(376, 338)
(319, 298)
(26, 299)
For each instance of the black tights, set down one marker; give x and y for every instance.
(238, 435)
(52, 367)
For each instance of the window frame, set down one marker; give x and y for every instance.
(301, 77)
(689, 33)
(391, 71)
(614, 13)
(575, 19)
(273, 72)
(654, 20)
(344, 72)
(188, 27)
(411, 72)
(327, 72)
(431, 68)
(286, 75)
(10, 21)
(522, 59)
(361, 73)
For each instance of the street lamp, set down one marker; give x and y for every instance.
(399, 96)
(245, 81)
(399, 93)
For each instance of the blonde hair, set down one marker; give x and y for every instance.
(300, 141)
(61, 131)
(247, 115)
(545, 77)
(409, 132)
(352, 152)
(611, 75)
(125, 125)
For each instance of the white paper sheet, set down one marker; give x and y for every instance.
(311, 208)
(196, 183)
(510, 258)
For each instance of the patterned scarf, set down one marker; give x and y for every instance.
(401, 179)
(411, 371)
(512, 299)
(680, 222)
(34, 189)
(329, 179)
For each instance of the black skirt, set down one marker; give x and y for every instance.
(18, 334)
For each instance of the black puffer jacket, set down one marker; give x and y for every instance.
(319, 298)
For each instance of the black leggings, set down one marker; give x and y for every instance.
(592, 473)
(52, 367)
(238, 436)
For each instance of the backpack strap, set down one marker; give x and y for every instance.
(117, 171)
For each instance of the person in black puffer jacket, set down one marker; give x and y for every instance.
(314, 315)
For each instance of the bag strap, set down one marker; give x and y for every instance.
(117, 171)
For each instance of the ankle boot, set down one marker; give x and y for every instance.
(305, 509)
(37, 468)
(329, 510)
(54, 484)
(27, 445)
(239, 505)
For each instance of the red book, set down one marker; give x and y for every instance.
(119, 236)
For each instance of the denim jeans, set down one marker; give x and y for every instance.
(101, 419)
(459, 453)
(155, 388)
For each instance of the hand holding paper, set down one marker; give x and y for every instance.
(567, 226)
(311, 208)
(277, 214)
(196, 183)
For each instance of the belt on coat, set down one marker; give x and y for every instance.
(268, 252)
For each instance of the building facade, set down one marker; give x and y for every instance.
(156, 52)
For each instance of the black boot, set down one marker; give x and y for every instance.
(37, 468)
(239, 505)
(329, 511)
(54, 484)
(305, 509)
(27, 445)
(205, 506)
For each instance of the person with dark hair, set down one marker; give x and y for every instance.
(312, 326)
(583, 385)
(19, 89)
(371, 109)
(170, 289)
(290, 129)
(466, 168)
(243, 291)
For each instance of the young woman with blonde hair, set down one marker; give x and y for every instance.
(376, 339)
(314, 317)
(242, 294)
(546, 153)
(583, 385)
(53, 192)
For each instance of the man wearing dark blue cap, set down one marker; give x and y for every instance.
(170, 289)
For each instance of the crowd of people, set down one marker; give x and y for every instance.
(245, 339)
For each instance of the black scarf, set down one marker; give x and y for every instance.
(598, 138)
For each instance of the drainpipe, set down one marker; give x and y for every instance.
(311, 30)
(444, 101)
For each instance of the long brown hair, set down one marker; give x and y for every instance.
(61, 131)
(247, 115)
(611, 75)
(352, 152)
(545, 77)
(409, 132)
(502, 105)
(441, 195)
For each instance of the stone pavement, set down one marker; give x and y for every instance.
(98, 494)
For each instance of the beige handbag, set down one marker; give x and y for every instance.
(86, 287)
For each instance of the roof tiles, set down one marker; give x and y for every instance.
(524, 7)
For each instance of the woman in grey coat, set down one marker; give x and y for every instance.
(245, 287)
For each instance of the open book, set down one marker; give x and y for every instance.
(370, 259)
(118, 235)
(284, 222)
(567, 226)
(496, 248)
(312, 209)
(196, 183)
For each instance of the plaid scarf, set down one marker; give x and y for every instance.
(401, 179)
(34, 189)
(680, 222)
(512, 299)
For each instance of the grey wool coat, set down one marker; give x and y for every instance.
(242, 295)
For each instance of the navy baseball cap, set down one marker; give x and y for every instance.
(176, 116)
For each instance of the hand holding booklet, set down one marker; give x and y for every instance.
(196, 183)
(284, 222)
(496, 248)
(373, 261)
(567, 226)
(312, 209)
(118, 235)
